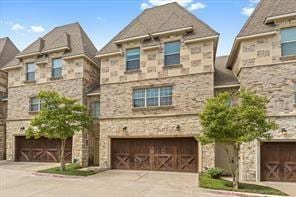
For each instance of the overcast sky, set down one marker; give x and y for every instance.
(26, 20)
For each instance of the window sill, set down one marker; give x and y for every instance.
(132, 71)
(33, 112)
(153, 108)
(55, 78)
(287, 58)
(29, 81)
(173, 66)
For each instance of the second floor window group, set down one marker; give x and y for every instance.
(153, 97)
(56, 69)
(171, 56)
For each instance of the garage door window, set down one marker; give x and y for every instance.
(153, 97)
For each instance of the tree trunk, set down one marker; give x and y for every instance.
(234, 164)
(62, 156)
(236, 148)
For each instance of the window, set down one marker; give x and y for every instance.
(171, 53)
(288, 41)
(30, 72)
(57, 68)
(35, 104)
(96, 109)
(153, 97)
(133, 59)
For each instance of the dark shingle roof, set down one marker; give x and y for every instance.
(266, 8)
(7, 51)
(223, 76)
(95, 90)
(71, 36)
(158, 19)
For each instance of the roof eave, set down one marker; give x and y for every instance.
(183, 29)
(108, 54)
(273, 18)
(238, 41)
(55, 50)
(27, 55)
(132, 39)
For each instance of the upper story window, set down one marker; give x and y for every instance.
(153, 97)
(57, 68)
(35, 104)
(133, 59)
(288, 41)
(172, 53)
(31, 68)
(96, 109)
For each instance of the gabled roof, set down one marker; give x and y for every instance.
(7, 51)
(256, 24)
(159, 19)
(223, 76)
(266, 8)
(71, 37)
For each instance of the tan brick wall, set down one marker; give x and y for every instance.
(195, 58)
(189, 95)
(71, 69)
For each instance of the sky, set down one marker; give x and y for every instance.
(24, 21)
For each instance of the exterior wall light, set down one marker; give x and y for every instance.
(124, 128)
(284, 131)
(178, 127)
(22, 128)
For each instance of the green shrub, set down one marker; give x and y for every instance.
(214, 173)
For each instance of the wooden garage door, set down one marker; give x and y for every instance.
(177, 154)
(278, 161)
(41, 150)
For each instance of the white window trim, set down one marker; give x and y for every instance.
(145, 97)
(38, 104)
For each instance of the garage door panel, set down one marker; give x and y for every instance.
(41, 150)
(172, 154)
(278, 161)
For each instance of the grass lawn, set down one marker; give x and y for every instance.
(71, 170)
(220, 184)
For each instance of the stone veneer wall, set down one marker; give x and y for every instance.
(19, 116)
(196, 57)
(189, 95)
(3, 112)
(276, 82)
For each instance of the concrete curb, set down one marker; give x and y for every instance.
(56, 175)
(238, 194)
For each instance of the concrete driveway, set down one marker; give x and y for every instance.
(18, 179)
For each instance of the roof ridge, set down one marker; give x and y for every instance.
(83, 36)
(250, 18)
(196, 18)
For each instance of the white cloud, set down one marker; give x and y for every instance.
(17, 27)
(189, 4)
(248, 10)
(145, 6)
(37, 29)
(196, 6)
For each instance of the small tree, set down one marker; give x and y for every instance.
(59, 118)
(233, 125)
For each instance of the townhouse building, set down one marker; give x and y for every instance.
(263, 58)
(63, 61)
(155, 77)
(7, 52)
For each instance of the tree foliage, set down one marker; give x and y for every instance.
(243, 122)
(59, 118)
(233, 125)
